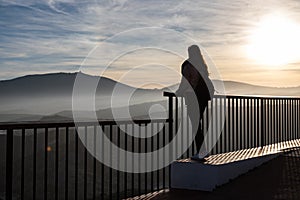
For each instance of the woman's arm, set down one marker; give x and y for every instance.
(189, 79)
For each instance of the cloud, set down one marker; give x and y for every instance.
(38, 35)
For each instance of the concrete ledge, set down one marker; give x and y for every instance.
(192, 175)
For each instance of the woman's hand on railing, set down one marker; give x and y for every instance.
(169, 94)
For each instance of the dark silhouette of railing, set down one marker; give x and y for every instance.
(49, 161)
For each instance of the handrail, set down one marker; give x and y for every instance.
(39, 124)
(255, 97)
(171, 94)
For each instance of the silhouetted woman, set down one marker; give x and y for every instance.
(197, 89)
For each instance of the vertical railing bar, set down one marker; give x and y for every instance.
(46, 165)
(293, 118)
(85, 164)
(171, 121)
(257, 122)
(282, 121)
(67, 165)
(212, 125)
(176, 124)
(269, 122)
(221, 126)
(9, 163)
(187, 132)
(94, 162)
(237, 100)
(158, 147)
(126, 149)
(140, 164)
(275, 138)
(267, 125)
(233, 127)
(152, 159)
(216, 148)
(297, 119)
(110, 158)
(242, 122)
(229, 124)
(23, 164)
(225, 133)
(182, 127)
(272, 131)
(207, 124)
(252, 135)
(277, 123)
(34, 162)
(76, 163)
(286, 118)
(262, 122)
(164, 157)
(248, 124)
(273, 123)
(268, 117)
(56, 161)
(102, 165)
(146, 149)
(118, 158)
(289, 120)
(132, 174)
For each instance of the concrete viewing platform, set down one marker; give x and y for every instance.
(231, 175)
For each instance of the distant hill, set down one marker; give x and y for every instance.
(47, 94)
(54, 84)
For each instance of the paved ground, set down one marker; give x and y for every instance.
(278, 179)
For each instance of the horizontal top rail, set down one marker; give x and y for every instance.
(170, 94)
(38, 124)
(256, 97)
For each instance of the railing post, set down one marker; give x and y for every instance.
(170, 96)
(9, 163)
(170, 117)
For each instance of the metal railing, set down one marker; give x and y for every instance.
(50, 161)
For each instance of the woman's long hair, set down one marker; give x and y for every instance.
(197, 60)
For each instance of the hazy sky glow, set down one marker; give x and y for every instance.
(241, 36)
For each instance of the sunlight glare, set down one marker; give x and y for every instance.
(275, 41)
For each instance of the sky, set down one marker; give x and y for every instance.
(143, 43)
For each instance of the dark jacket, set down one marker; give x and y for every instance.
(201, 83)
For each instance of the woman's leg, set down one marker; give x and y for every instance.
(200, 132)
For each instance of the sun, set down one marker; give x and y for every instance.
(275, 41)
